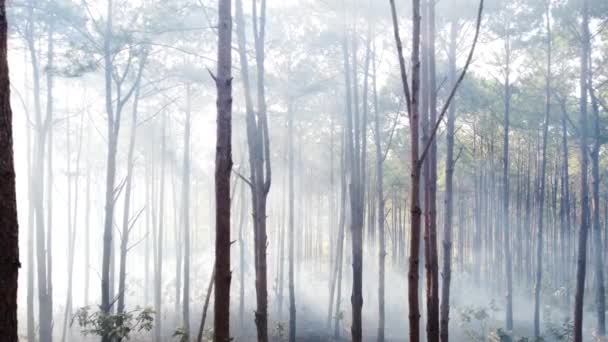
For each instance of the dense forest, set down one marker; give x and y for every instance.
(303, 170)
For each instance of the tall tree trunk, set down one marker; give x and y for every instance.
(505, 192)
(541, 204)
(432, 273)
(412, 101)
(9, 230)
(597, 230)
(158, 288)
(449, 193)
(290, 162)
(186, 215)
(31, 321)
(44, 301)
(581, 266)
(353, 154)
(380, 203)
(223, 168)
(112, 127)
(127, 222)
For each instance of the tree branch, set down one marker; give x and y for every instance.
(446, 105)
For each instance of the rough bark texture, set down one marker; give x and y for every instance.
(415, 167)
(223, 168)
(9, 229)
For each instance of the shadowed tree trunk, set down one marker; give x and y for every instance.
(223, 168)
(9, 230)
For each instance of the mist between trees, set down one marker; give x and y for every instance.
(303, 170)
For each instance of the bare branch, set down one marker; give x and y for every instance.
(446, 105)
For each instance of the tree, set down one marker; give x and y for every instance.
(581, 264)
(9, 228)
(223, 169)
(541, 204)
(258, 142)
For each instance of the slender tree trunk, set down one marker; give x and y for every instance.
(223, 168)
(415, 165)
(158, 288)
(201, 329)
(9, 229)
(290, 161)
(581, 266)
(505, 195)
(380, 203)
(44, 301)
(541, 214)
(127, 222)
(186, 215)
(432, 277)
(449, 194)
(597, 233)
(113, 126)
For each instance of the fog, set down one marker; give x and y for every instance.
(310, 170)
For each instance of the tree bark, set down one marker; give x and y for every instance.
(223, 169)
(581, 266)
(9, 229)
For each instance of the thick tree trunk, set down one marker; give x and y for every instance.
(223, 169)
(9, 230)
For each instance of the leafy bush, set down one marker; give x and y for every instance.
(116, 326)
